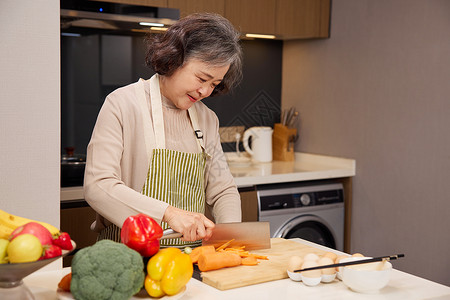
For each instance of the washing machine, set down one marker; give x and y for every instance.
(312, 211)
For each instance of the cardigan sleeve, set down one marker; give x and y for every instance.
(116, 163)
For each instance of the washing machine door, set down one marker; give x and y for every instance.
(308, 227)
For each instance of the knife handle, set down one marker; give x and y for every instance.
(171, 234)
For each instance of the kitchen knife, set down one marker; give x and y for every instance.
(252, 235)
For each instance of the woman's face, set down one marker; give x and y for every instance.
(192, 82)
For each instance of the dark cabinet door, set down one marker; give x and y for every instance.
(76, 219)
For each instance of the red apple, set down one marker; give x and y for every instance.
(36, 229)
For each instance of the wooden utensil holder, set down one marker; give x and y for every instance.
(283, 142)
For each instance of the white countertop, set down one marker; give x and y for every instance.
(305, 167)
(401, 286)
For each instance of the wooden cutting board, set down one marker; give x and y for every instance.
(267, 270)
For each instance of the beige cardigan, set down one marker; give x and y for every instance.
(117, 163)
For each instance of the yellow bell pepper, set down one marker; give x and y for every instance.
(153, 287)
(168, 271)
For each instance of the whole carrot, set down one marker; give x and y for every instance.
(195, 254)
(218, 260)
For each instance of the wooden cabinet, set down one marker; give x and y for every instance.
(249, 204)
(302, 18)
(252, 16)
(76, 218)
(157, 3)
(287, 19)
(187, 7)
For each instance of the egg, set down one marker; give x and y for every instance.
(312, 273)
(329, 274)
(313, 277)
(357, 255)
(339, 269)
(295, 263)
(326, 261)
(338, 260)
(311, 256)
(331, 255)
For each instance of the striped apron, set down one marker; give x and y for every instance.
(174, 177)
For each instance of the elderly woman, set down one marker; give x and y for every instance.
(155, 148)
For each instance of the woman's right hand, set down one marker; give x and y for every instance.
(193, 226)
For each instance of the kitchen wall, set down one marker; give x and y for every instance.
(29, 110)
(378, 91)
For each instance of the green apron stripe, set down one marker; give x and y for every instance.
(177, 178)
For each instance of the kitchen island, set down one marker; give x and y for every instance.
(401, 286)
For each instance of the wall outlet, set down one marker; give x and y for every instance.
(228, 134)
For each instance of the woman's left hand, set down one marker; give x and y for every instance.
(193, 226)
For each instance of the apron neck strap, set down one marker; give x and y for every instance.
(198, 133)
(157, 114)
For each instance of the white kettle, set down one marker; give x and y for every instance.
(261, 150)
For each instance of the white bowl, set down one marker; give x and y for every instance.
(366, 278)
(238, 160)
(347, 259)
(295, 276)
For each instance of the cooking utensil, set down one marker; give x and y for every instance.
(289, 115)
(292, 120)
(252, 235)
(357, 262)
(72, 168)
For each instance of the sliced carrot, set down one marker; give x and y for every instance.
(218, 260)
(196, 252)
(244, 254)
(241, 253)
(223, 246)
(250, 261)
(237, 248)
(260, 256)
(64, 284)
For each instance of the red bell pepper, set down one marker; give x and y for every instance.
(141, 233)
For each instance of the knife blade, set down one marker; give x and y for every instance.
(252, 235)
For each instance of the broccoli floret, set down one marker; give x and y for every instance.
(106, 271)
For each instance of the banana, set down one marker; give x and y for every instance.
(4, 231)
(9, 222)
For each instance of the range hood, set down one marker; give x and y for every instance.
(90, 17)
